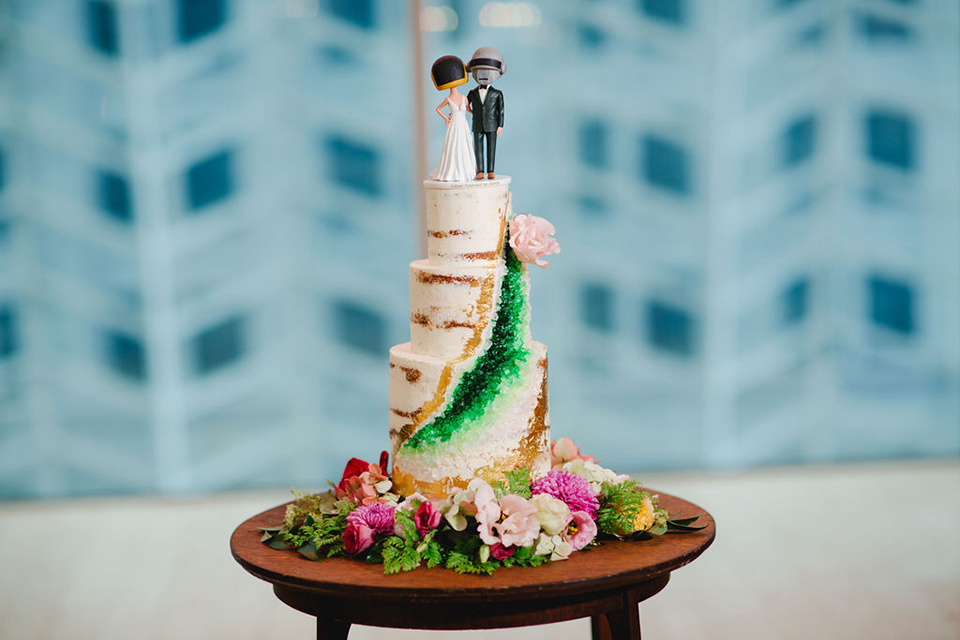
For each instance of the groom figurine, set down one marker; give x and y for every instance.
(486, 104)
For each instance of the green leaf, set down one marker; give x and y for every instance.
(391, 559)
(409, 559)
(404, 519)
(433, 554)
(277, 543)
(518, 482)
(309, 551)
(673, 526)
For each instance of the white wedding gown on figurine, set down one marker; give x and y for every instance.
(457, 162)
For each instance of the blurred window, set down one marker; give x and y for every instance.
(786, 4)
(891, 304)
(126, 355)
(359, 12)
(593, 143)
(891, 138)
(667, 10)
(596, 306)
(590, 36)
(592, 206)
(811, 36)
(198, 18)
(665, 164)
(115, 196)
(360, 327)
(8, 331)
(219, 345)
(794, 301)
(336, 56)
(102, 26)
(669, 328)
(210, 180)
(877, 29)
(355, 165)
(799, 141)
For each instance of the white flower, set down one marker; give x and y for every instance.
(593, 473)
(553, 514)
(554, 546)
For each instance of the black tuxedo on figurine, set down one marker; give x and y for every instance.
(487, 118)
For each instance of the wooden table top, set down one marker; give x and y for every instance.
(610, 566)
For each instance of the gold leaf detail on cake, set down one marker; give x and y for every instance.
(451, 232)
(537, 436)
(439, 278)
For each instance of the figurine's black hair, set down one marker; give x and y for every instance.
(448, 71)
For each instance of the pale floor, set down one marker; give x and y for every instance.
(865, 551)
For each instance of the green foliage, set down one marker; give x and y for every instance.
(518, 482)
(620, 506)
(393, 548)
(433, 554)
(684, 524)
(404, 519)
(525, 557)
(464, 563)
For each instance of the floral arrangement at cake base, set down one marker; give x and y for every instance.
(517, 522)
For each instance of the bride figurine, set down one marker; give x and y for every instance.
(457, 160)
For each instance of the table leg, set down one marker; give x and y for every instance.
(621, 624)
(329, 628)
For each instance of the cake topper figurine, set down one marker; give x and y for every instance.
(486, 105)
(456, 158)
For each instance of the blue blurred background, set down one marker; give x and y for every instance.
(207, 208)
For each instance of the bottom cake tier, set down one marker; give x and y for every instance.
(507, 430)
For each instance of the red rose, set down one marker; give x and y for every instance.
(427, 518)
(354, 468)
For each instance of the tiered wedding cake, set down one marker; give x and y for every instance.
(468, 393)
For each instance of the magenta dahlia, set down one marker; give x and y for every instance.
(575, 491)
(377, 516)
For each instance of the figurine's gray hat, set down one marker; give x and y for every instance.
(487, 58)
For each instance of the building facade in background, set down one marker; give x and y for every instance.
(207, 208)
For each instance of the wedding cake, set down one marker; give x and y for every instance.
(468, 393)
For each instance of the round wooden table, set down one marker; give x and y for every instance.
(604, 583)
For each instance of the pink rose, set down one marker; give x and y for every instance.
(427, 518)
(520, 525)
(500, 552)
(531, 239)
(357, 538)
(564, 450)
(581, 531)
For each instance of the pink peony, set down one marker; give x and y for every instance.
(500, 552)
(357, 537)
(581, 531)
(575, 491)
(563, 451)
(427, 518)
(531, 239)
(520, 525)
(378, 517)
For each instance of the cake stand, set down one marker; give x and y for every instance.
(604, 584)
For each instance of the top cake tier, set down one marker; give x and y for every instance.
(466, 220)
